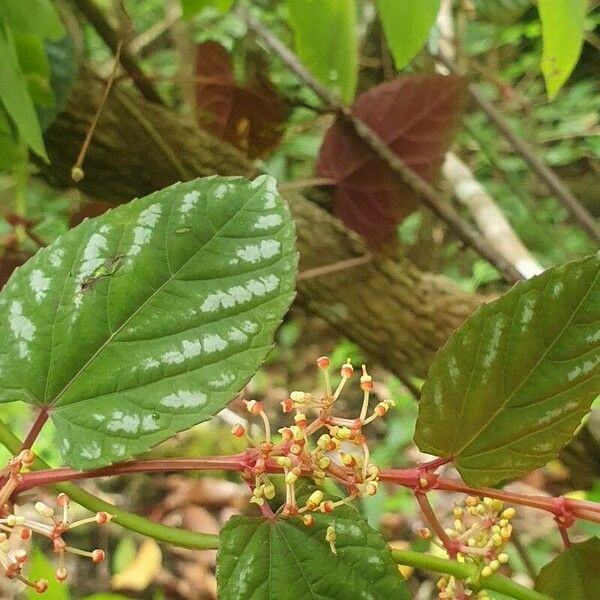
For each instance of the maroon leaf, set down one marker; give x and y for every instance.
(248, 116)
(416, 116)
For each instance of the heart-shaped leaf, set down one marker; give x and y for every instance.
(511, 386)
(572, 574)
(147, 320)
(416, 116)
(283, 558)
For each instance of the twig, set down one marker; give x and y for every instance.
(111, 38)
(77, 173)
(489, 218)
(552, 181)
(429, 195)
(335, 267)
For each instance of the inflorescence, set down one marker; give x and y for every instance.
(481, 530)
(319, 444)
(52, 524)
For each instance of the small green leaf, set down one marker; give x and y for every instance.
(574, 574)
(511, 386)
(14, 95)
(190, 8)
(407, 26)
(35, 17)
(325, 40)
(562, 39)
(149, 319)
(283, 558)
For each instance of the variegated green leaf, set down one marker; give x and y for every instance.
(150, 318)
(512, 385)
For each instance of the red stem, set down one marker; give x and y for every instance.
(39, 422)
(235, 462)
(409, 478)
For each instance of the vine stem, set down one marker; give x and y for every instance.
(495, 582)
(239, 462)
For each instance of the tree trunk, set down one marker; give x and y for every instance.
(397, 313)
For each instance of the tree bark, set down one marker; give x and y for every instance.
(397, 313)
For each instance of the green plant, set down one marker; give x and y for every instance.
(176, 297)
(145, 321)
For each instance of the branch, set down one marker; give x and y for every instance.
(489, 218)
(112, 39)
(428, 194)
(547, 175)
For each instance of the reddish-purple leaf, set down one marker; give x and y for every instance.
(417, 116)
(248, 116)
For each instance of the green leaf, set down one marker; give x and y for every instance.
(35, 17)
(149, 319)
(562, 39)
(9, 149)
(14, 95)
(325, 40)
(35, 68)
(283, 558)
(41, 567)
(574, 574)
(511, 386)
(190, 8)
(407, 26)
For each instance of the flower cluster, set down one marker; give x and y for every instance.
(50, 524)
(481, 530)
(317, 445)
